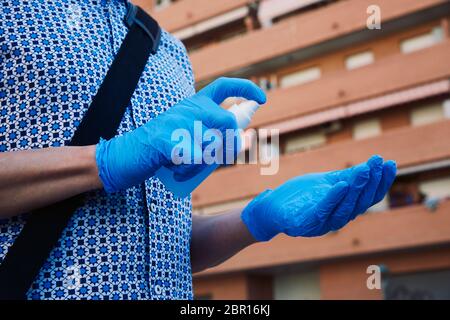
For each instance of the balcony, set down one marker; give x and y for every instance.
(409, 146)
(185, 13)
(388, 75)
(399, 229)
(318, 26)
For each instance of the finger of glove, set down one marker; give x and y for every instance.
(344, 211)
(387, 179)
(346, 174)
(330, 202)
(210, 114)
(224, 88)
(367, 196)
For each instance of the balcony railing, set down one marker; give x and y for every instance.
(290, 35)
(388, 75)
(185, 13)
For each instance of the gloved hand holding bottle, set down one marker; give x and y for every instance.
(128, 160)
(314, 204)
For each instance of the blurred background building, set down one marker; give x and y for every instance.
(339, 92)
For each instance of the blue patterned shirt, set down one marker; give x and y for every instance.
(54, 55)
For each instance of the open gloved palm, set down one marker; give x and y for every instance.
(314, 204)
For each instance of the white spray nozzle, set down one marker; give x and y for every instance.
(244, 112)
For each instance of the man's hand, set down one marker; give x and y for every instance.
(314, 204)
(128, 160)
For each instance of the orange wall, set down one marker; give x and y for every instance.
(232, 286)
(346, 279)
(239, 286)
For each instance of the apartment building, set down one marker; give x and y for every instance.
(338, 90)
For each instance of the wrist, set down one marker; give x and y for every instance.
(127, 160)
(85, 158)
(245, 234)
(104, 174)
(255, 219)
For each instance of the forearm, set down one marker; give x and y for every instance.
(217, 238)
(35, 178)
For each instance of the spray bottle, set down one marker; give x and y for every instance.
(243, 113)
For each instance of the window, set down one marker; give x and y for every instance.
(427, 114)
(223, 21)
(404, 193)
(447, 109)
(381, 206)
(303, 142)
(431, 285)
(422, 41)
(270, 10)
(359, 60)
(300, 77)
(161, 4)
(437, 188)
(267, 83)
(366, 129)
(302, 285)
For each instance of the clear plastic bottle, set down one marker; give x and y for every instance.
(243, 113)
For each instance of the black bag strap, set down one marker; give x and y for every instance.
(44, 227)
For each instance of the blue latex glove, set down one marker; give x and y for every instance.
(128, 160)
(314, 204)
